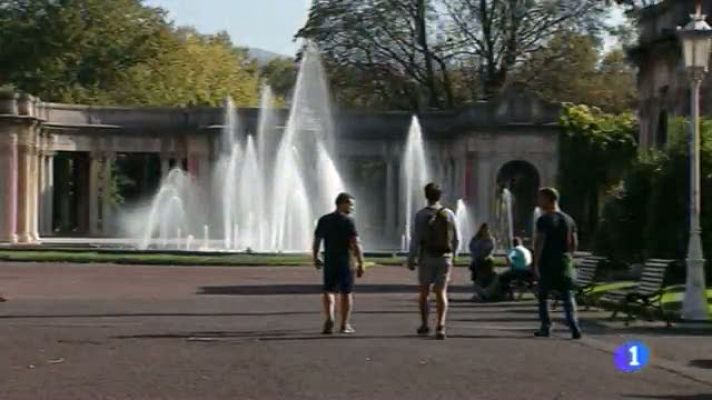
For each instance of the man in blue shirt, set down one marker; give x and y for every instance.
(338, 232)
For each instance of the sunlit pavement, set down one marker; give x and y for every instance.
(120, 332)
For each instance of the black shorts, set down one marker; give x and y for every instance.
(338, 279)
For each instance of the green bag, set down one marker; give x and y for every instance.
(569, 269)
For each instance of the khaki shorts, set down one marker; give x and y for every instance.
(434, 270)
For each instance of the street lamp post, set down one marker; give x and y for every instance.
(696, 43)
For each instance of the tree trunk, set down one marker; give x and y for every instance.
(422, 38)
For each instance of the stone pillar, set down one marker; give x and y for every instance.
(94, 192)
(8, 187)
(34, 194)
(24, 189)
(42, 193)
(391, 196)
(107, 206)
(49, 194)
(485, 193)
(64, 173)
(469, 167)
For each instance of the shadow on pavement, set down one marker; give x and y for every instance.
(286, 289)
(704, 364)
(284, 336)
(705, 396)
(608, 326)
(534, 318)
(232, 314)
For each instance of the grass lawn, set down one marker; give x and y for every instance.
(188, 259)
(673, 299)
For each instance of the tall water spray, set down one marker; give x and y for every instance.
(167, 213)
(506, 219)
(303, 163)
(265, 132)
(415, 174)
(465, 225)
(267, 190)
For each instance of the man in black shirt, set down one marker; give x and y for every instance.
(554, 246)
(338, 232)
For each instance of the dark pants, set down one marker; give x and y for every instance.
(567, 298)
(508, 277)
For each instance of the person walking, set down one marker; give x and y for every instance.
(341, 243)
(556, 241)
(482, 272)
(519, 259)
(434, 240)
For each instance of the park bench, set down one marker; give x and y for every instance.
(646, 294)
(586, 274)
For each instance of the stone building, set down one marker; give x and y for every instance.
(57, 160)
(663, 89)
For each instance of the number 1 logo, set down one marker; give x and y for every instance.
(631, 356)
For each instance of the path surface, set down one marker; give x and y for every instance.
(120, 332)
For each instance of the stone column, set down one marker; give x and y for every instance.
(41, 188)
(94, 192)
(49, 194)
(391, 195)
(194, 165)
(8, 187)
(45, 195)
(65, 175)
(24, 189)
(34, 194)
(107, 206)
(485, 181)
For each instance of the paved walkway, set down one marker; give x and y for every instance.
(120, 332)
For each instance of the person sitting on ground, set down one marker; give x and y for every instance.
(483, 276)
(519, 260)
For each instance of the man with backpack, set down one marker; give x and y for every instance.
(434, 240)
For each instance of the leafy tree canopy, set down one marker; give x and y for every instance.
(117, 52)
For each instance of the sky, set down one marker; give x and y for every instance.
(265, 24)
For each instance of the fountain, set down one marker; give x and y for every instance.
(505, 220)
(415, 174)
(167, 213)
(268, 189)
(465, 226)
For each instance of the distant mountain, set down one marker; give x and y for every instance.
(264, 56)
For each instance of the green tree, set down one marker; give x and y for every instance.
(383, 53)
(73, 50)
(280, 74)
(117, 52)
(595, 150)
(649, 215)
(570, 69)
(191, 69)
(502, 34)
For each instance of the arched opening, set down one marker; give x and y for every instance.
(521, 178)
